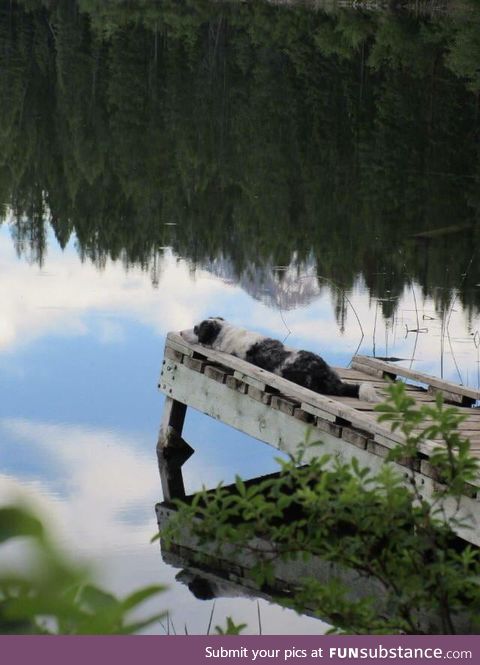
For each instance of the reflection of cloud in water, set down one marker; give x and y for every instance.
(97, 480)
(58, 303)
(102, 475)
(103, 511)
(33, 307)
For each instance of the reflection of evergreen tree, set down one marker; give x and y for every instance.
(464, 54)
(248, 131)
(26, 124)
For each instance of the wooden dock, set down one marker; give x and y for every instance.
(283, 414)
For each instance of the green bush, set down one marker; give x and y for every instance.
(379, 525)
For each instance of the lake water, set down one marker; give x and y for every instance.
(309, 173)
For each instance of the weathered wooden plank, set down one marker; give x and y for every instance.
(250, 380)
(172, 354)
(173, 416)
(421, 396)
(355, 403)
(236, 384)
(196, 364)
(366, 369)
(177, 343)
(428, 470)
(387, 439)
(216, 373)
(411, 388)
(357, 438)
(284, 404)
(391, 441)
(355, 376)
(326, 426)
(415, 375)
(427, 447)
(256, 393)
(450, 396)
(470, 423)
(300, 414)
(274, 427)
(377, 448)
(380, 386)
(315, 411)
(466, 433)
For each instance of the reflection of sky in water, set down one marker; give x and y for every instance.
(80, 353)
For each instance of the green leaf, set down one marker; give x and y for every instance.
(92, 599)
(16, 522)
(231, 628)
(139, 596)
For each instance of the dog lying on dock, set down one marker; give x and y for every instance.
(305, 368)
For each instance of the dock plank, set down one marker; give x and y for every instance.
(398, 370)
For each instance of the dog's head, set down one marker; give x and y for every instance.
(205, 332)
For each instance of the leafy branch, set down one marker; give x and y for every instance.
(374, 527)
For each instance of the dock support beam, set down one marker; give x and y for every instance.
(172, 450)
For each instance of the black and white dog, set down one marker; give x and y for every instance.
(302, 367)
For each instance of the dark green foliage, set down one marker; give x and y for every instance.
(376, 524)
(337, 135)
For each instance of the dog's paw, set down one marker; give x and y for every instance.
(367, 393)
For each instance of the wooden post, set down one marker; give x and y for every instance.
(172, 450)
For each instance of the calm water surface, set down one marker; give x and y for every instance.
(313, 175)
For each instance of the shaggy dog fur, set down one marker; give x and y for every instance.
(302, 367)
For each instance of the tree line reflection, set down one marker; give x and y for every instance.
(248, 131)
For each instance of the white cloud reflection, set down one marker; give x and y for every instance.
(38, 302)
(98, 500)
(70, 298)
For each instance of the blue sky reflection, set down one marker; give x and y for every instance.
(80, 354)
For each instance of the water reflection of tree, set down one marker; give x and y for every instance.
(259, 131)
